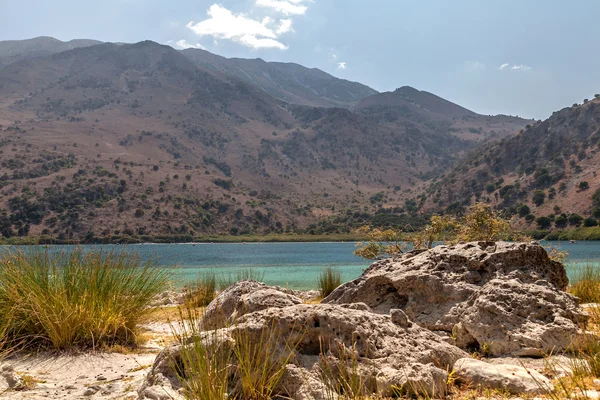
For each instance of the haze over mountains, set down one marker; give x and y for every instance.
(100, 139)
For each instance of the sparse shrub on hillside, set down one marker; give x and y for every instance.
(561, 221)
(524, 210)
(539, 196)
(583, 185)
(575, 219)
(543, 222)
(590, 221)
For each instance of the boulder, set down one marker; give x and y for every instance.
(241, 298)
(522, 319)
(440, 290)
(329, 341)
(511, 378)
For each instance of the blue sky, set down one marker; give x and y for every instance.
(525, 58)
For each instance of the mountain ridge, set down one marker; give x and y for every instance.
(170, 147)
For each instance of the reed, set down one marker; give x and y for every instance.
(329, 279)
(67, 299)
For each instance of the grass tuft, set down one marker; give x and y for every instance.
(586, 284)
(248, 274)
(329, 279)
(75, 299)
(202, 292)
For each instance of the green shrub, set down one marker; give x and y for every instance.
(329, 279)
(66, 299)
(590, 221)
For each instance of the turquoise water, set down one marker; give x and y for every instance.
(295, 265)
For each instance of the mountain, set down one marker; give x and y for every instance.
(15, 50)
(550, 167)
(446, 116)
(138, 139)
(290, 82)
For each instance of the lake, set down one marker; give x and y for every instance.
(294, 265)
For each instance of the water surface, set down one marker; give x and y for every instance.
(295, 265)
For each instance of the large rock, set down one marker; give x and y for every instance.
(440, 289)
(242, 298)
(511, 317)
(511, 378)
(329, 341)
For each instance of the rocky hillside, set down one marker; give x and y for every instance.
(111, 140)
(15, 50)
(290, 82)
(546, 175)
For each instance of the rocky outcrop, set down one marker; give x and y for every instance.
(510, 378)
(387, 355)
(506, 297)
(241, 298)
(522, 319)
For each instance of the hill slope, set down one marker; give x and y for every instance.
(137, 139)
(288, 81)
(16, 50)
(551, 167)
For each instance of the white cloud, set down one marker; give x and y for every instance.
(285, 26)
(521, 67)
(287, 7)
(261, 43)
(341, 65)
(260, 33)
(184, 44)
(474, 66)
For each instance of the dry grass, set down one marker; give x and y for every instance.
(67, 299)
(202, 292)
(248, 365)
(586, 284)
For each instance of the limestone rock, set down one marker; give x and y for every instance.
(242, 298)
(456, 288)
(328, 340)
(512, 378)
(511, 317)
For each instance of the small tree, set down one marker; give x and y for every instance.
(590, 221)
(575, 219)
(584, 185)
(539, 196)
(543, 222)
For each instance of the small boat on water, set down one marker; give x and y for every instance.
(572, 241)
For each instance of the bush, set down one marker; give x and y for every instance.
(539, 196)
(329, 279)
(575, 219)
(543, 222)
(68, 299)
(590, 221)
(524, 210)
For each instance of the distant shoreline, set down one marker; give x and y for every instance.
(185, 239)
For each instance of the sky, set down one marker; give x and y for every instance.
(516, 57)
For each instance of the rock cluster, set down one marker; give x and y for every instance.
(505, 297)
(404, 324)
